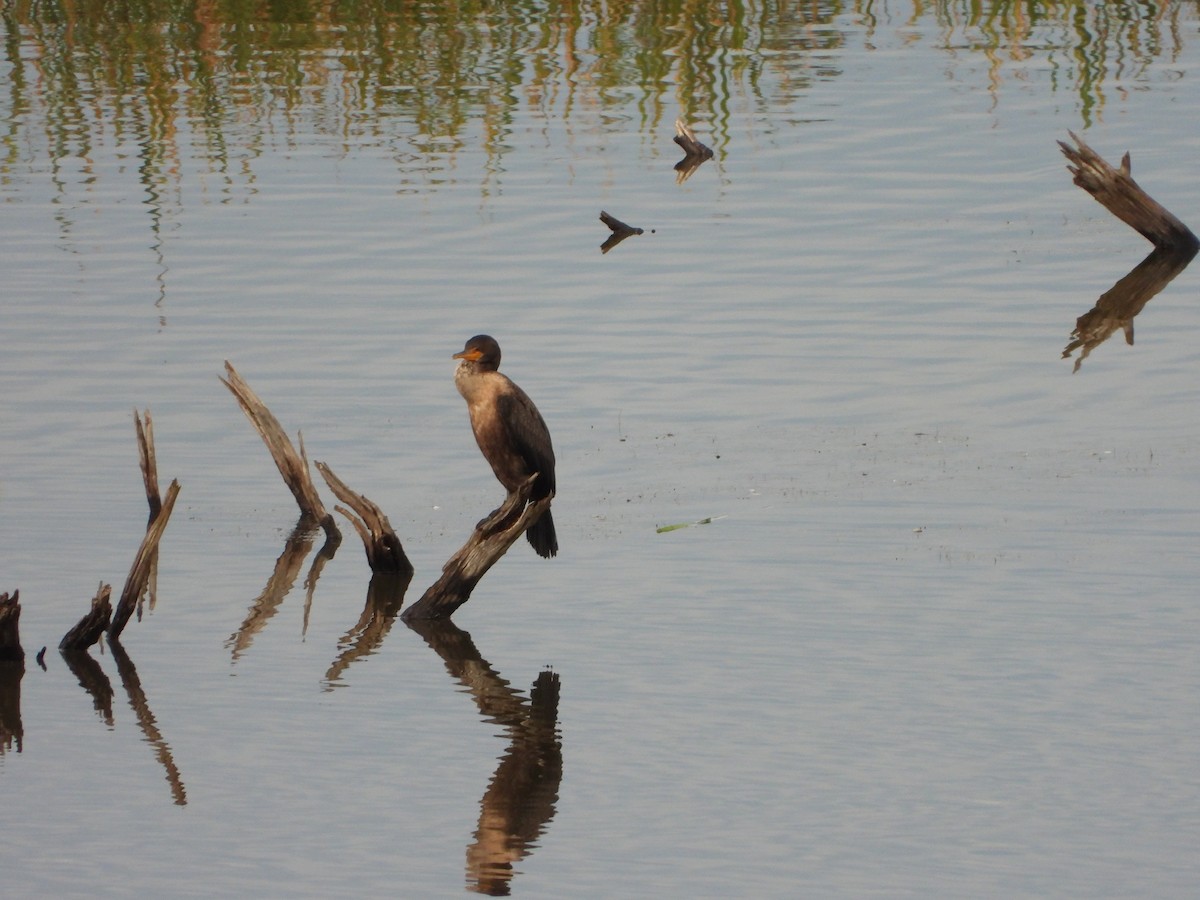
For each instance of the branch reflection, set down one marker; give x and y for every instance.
(93, 680)
(287, 569)
(385, 597)
(12, 732)
(146, 720)
(1117, 307)
(520, 798)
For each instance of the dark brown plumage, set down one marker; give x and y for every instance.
(509, 430)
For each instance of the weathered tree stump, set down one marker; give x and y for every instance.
(10, 632)
(148, 463)
(385, 553)
(490, 541)
(88, 629)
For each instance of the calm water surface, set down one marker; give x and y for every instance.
(937, 633)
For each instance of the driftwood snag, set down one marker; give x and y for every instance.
(10, 632)
(148, 463)
(88, 629)
(1174, 247)
(490, 541)
(143, 562)
(695, 152)
(385, 553)
(1117, 192)
(292, 466)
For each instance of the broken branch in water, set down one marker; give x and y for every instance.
(88, 629)
(490, 541)
(149, 466)
(1174, 247)
(139, 572)
(292, 466)
(1117, 192)
(695, 152)
(385, 553)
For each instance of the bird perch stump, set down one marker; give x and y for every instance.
(490, 541)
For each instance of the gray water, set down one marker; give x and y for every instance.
(932, 629)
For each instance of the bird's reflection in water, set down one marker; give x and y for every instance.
(1117, 308)
(519, 800)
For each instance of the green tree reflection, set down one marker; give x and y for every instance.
(223, 80)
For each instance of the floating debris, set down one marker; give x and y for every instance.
(619, 229)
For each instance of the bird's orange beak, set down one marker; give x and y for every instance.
(471, 355)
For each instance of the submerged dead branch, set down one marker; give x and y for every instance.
(88, 629)
(696, 152)
(385, 553)
(490, 541)
(139, 573)
(292, 466)
(1175, 246)
(1117, 192)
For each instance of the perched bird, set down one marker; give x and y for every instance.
(510, 431)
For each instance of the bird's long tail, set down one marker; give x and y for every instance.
(542, 537)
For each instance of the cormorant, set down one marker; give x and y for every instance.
(510, 431)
